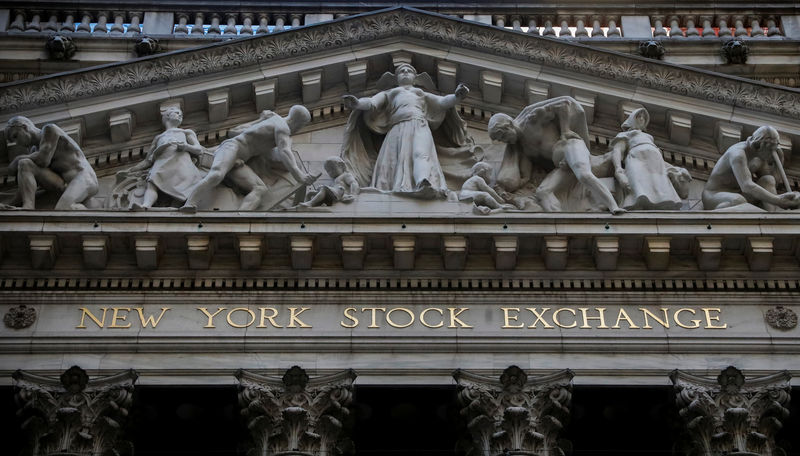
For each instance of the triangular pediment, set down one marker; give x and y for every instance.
(315, 65)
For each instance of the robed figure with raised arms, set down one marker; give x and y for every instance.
(406, 140)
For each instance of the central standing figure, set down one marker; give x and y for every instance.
(407, 162)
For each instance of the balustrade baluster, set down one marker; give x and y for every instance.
(724, 30)
(102, 22)
(247, 24)
(118, 27)
(182, 28)
(597, 30)
(134, 28)
(772, 28)
(35, 25)
(739, 29)
(658, 30)
(214, 28)
(69, 22)
(499, 21)
(580, 27)
(691, 29)
(548, 27)
(755, 29)
(613, 30)
(564, 31)
(708, 30)
(516, 23)
(533, 29)
(296, 20)
(52, 24)
(674, 28)
(280, 20)
(197, 28)
(19, 22)
(230, 24)
(86, 23)
(263, 23)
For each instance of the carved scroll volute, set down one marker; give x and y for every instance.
(730, 414)
(515, 415)
(296, 415)
(73, 414)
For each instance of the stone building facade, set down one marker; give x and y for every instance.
(372, 322)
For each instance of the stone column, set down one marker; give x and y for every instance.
(515, 415)
(731, 415)
(73, 414)
(296, 414)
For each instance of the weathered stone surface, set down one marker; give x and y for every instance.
(73, 414)
(297, 414)
(517, 413)
(732, 414)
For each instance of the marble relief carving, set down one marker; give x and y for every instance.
(296, 414)
(344, 188)
(20, 317)
(732, 414)
(517, 414)
(53, 161)
(781, 317)
(73, 414)
(168, 170)
(744, 179)
(389, 138)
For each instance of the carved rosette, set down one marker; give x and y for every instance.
(19, 317)
(295, 414)
(515, 415)
(73, 414)
(730, 414)
(781, 318)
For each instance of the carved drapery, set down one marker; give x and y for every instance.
(730, 414)
(296, 415)
(73, 415)
(515, 415)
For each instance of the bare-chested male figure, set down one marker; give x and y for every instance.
(553, 131)
(269, 135)
(732, 180)
(55, 161)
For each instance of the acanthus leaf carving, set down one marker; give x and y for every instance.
(296, 414)
(732, 414)
(73, 414)
(515, 415)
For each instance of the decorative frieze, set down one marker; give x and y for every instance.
(732, 414)
(296, 414)
(517, 414)
(73, 414)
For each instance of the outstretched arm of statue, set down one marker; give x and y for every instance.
(364, 104)
(283, 149)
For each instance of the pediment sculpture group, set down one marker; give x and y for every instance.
(404, 141)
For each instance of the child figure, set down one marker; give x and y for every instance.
(477, 189)
(345, 186)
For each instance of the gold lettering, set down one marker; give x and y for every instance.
(557, 321)
(507, 319)
(586, 318)
(116, 316)
(403, 309)
(150, 319)
(348, 313)
(374, 311)
(422, 317)
(709, 318)
(664, 322)
(210, 316)
(271, 318)
(623, 315)
(540, 317)
(85, 312)
(454, 317)
(294, 321)
(678, 322)
(241, 309)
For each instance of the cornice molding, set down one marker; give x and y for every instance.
(401, 21)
